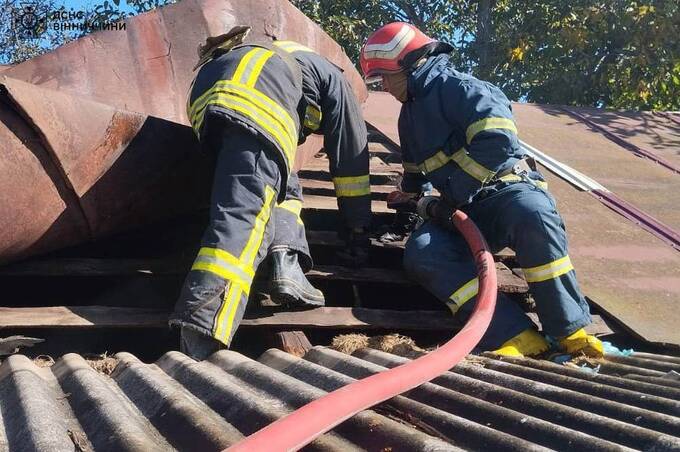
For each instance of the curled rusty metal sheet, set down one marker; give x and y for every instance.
(147, 67)
(76, 169)
(95, 135)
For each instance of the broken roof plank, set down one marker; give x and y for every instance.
(507, 281)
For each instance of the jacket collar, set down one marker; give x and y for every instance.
(419, 76)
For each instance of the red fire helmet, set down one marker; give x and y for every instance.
(387, 46)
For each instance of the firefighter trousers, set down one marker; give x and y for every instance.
(520, 216)
(239, 234)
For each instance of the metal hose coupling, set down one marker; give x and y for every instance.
(426, 206)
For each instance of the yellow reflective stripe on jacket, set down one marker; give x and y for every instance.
(352, 186)
(257, 68)
(224, 320)
(250, 66)
(487, 124)
(463, 160)
(254, 105)
(471, 167)
(411, 168)
(548, 271)
(258, 116)
(463, 294)
(515, 178)
(292, 46)
(253, 95)
(293, 206)
(312, 118)
(435, 162)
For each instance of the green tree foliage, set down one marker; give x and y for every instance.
(616, 53)
(350, 22)
(606, 53)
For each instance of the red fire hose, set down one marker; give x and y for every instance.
(303, 425)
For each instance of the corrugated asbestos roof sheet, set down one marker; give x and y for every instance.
(485, 403)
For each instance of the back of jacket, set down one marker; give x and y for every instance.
(253, 87)
(455, 130)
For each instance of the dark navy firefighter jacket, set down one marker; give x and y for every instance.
(255, 87)
(456, 132)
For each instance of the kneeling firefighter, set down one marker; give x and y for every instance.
(251, 104)
(458, 134)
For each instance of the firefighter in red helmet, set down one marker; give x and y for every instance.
(458, 134)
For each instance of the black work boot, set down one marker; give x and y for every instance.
(289, 285)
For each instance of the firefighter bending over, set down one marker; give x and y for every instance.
(251, 104)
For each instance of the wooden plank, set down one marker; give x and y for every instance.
(356, 318)
(294, 342)
(82, 317)
(376, 166)
(95, 267)
(88, 317)
(330, 238)
(92, 317)
(507, 281)
(314, 184)
(330, 203)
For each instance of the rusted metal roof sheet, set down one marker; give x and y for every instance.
(382, 110)
(641, 182)
(630, 274)
(102, 147)
(656, 132)
(147, 67)
(75, 169)
(484, 403)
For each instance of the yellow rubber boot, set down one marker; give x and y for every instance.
(526, 343)
(580, 341)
